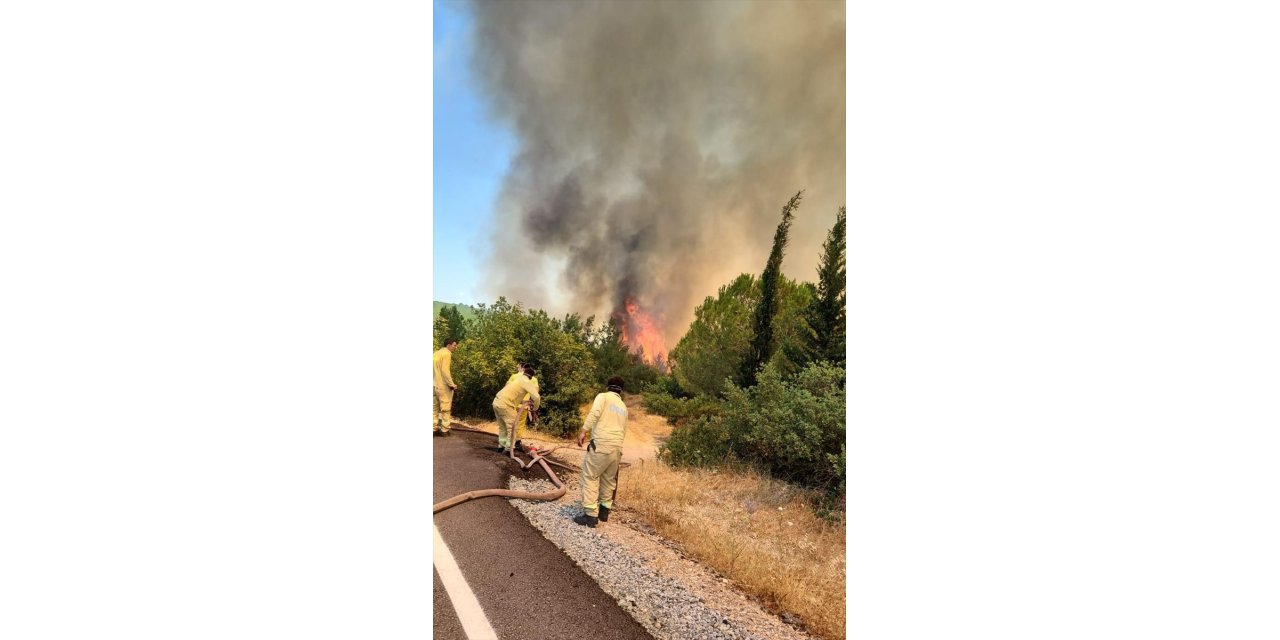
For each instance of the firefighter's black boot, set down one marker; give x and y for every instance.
(604, 513)
(586, 520)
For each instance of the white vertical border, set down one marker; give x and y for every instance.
(215, 268)
(1063, 311)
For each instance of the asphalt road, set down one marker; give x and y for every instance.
(526, 586)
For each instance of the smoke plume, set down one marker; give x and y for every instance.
(658, 142)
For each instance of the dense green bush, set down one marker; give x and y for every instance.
(793, 428)
(503, 335)
(610, 355)
(661, 404)
(666, 383)
(680, 410)
(703, 442)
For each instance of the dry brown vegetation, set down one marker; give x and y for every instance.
(760, 533)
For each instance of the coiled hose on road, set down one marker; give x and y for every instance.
(508, 493)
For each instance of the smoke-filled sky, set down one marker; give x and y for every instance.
(655, 144)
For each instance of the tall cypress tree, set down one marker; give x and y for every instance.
(762, 341)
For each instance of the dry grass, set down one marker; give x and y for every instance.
(760, 533)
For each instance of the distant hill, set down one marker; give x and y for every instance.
(467, 312)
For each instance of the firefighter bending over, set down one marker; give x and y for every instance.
(507, 403)
(523, 410)
(526, 411)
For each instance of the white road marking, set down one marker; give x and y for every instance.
(474, 622)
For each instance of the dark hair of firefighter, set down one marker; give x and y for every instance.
(529, 370)
(615, 385)
(450, 341)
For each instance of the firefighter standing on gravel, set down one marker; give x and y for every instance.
(606, 424)
(444, 387)
(506, 404)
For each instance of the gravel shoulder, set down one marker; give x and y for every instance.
(669, 594)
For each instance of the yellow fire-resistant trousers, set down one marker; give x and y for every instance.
(442, 416)
(599, 477)
(506, 437)
(506, 415)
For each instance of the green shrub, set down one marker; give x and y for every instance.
(503, 335)
(680, 410)
(667, 383)
(793, 428)
(703, 442)
(661, 404)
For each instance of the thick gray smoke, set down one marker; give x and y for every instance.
(658, 142)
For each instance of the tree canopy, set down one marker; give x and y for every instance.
(712, 352)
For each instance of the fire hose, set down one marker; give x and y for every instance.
(537, 457)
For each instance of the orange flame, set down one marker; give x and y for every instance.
(640, 330)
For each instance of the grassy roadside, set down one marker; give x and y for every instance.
(760, 533)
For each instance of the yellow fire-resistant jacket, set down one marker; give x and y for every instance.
(519, 387)
(441, 360)
(607, 421)
(532, 380)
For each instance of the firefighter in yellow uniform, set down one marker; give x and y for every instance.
(442, 417)
(507, 403)
(607, 425)
(522, 410)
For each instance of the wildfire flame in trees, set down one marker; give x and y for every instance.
(640, 330)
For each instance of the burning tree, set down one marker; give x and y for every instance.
(639, 331)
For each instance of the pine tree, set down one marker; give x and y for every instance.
(826, 316)
(823, 321)
(762, 340)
